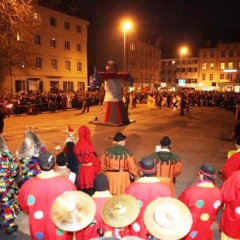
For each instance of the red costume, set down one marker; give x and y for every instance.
(230, 221)
(91, 231)
(232, 164)
(87, 157)
(203, 200)
(36, 197)
(145, 190)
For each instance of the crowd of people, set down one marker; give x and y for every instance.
(115, 172)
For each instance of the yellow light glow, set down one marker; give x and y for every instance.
(126, 25)
(183, 50)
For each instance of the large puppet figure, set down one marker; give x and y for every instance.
(8, 189)
(27, 155)
(113, 111)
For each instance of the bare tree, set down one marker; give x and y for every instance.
(18, 25)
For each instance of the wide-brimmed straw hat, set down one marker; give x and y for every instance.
(168, 218)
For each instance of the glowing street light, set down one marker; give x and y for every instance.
(126, 26)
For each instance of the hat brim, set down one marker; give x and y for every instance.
(120, 138)
(176, 226)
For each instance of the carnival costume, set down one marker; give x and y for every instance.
(88, 160)
(8, 189)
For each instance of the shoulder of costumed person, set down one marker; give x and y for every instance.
(117, 152)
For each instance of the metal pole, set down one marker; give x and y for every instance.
(124, 50)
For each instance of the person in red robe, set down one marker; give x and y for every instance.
(37, 195)
(98, 228)
(232, 164)
(145, 190)
(204, 201)
(230, 220)
(89, 162)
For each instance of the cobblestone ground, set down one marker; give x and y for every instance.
(201, 135)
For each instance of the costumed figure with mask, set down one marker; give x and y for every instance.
(8, 189)
(95, 80)
(27, 155)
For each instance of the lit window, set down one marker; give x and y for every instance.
(230, 65)
(37, 17)
(222, 65)
(67, 65)
(53, 42)
(204, 66)
(211, 65)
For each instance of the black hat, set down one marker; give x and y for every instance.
(45, 161)
(100, 182)
(119, 137)
(147, 165)
(166, 141)
(237, 140)
(208, 170)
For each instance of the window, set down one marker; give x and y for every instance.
(211, 65)
(20, 37)
(204, 55)
(221, 76)
(67, 45)
(81, 86)
(79, 66)
(203, 77)
(67, 86)
(211, 77)
(67, 25)
(222, 65)
(38, 39)
(20, 85)
(222, 54)
(67, 65)
(37, 17)
(230, 65)
(238, 65)
(79, 47)
(230, 54)
(53, 43)
(211, 54)
(53, 21)
(204, 66)
(132, 47)
(79, 29)
(238, 77)
(38, 62)
(54, 64)
(229, 77)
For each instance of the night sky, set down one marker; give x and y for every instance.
(178, 21)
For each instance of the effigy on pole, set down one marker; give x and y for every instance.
(113, 111)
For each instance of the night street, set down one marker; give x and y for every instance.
(201, 135)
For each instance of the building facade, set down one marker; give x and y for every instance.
(59, 55)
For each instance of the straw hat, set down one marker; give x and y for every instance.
(168, 218)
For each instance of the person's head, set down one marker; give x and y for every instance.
(165, 142)
(119, 138)
(46, 161)
(237, 141)
(147, 166)
(207, 172)
(61, 159)
(101, 183)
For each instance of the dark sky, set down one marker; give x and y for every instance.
(178, 21)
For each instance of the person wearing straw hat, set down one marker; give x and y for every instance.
(147, 188)
(119, 164)
(230, 219)
(169, 165)
(204, 201)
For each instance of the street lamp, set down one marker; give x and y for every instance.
(126, 26)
